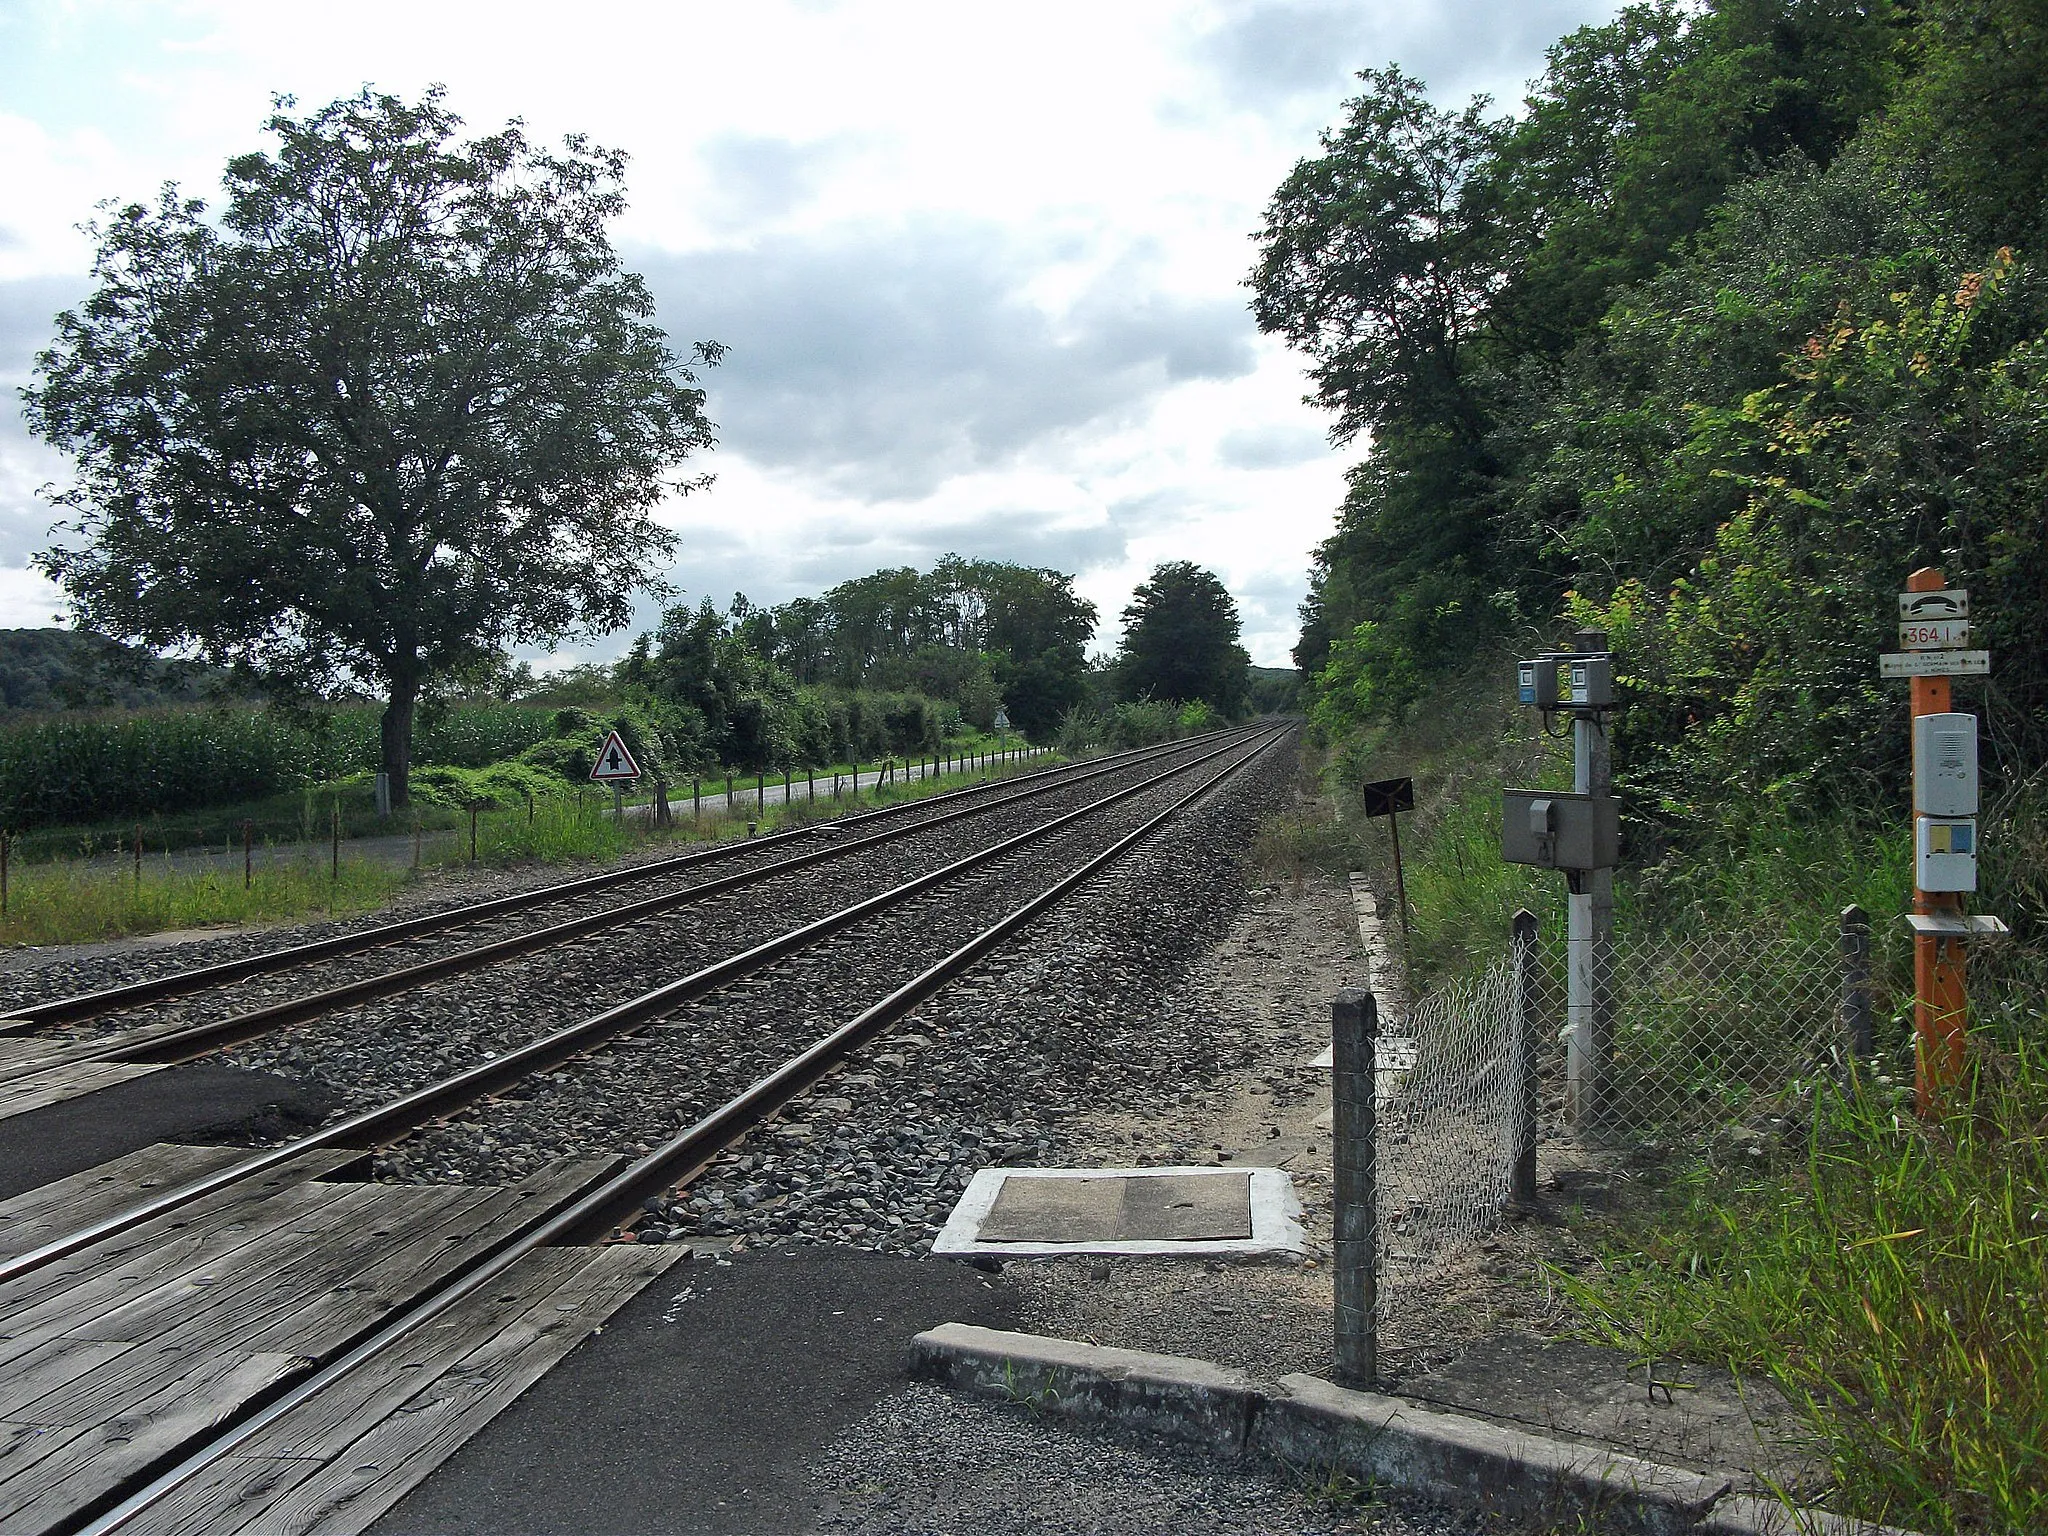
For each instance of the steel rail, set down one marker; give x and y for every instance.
(682, 1157)
(65, 1010)
(175, 1042)
(370, 1127)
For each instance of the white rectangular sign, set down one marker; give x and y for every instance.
(1934, 635)
(1953, 604)
(1934, 664)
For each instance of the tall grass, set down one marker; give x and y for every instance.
(1891, 1276)
(81, 903)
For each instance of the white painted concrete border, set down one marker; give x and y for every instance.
(1276, 1216)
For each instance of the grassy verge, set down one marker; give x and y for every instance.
(73, 904)
(1890, 1276)
(69, 902)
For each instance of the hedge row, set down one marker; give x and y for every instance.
(85, 768)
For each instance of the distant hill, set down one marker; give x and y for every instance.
(1276, 690)
(45, 670)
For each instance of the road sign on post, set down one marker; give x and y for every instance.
(615, 763)
(615, 766)
(1388, 798)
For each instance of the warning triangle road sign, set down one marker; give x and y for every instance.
(614, 761)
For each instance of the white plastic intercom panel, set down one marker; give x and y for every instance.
(1945, 769)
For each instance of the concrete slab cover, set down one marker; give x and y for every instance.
(1175, 1209)
(1039, 1212)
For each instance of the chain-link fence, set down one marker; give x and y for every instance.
(1679, 1040)
(1446, 1120)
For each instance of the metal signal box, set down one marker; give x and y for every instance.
(1586, 682)
(1944, 851)
(1556, 830)
(1536, 682)
(1945, 770)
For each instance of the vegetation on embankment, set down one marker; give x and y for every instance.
(1887, 1273)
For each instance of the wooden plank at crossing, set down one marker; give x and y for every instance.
(56, 1471)
(35, 1216)
(334, 1466)
(61, 1083)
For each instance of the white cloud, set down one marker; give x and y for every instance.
(980, 266)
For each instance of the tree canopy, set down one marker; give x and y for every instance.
(1181, 640)
(1738, 322)
(397, 408)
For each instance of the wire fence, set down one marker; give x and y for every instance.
(1682, 1040)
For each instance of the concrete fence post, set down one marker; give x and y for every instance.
(1858, 1032)
(1522, 1037)
(1354, 1019)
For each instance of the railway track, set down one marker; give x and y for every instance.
(471, 1257)
(43, 1043)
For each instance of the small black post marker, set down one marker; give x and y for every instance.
(1858, 1033)
(1354, 1019)
(5, 839)
(1522, 1107)
(472, 830)
(1388, 798)
(138, 855)
(249, 854)
(334, 868)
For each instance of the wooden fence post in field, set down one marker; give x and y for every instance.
(248, 854)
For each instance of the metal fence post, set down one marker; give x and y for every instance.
(1858, 1033)
(1354, 1020)
(1522, 1045)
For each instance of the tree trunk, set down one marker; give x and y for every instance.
(397, 740)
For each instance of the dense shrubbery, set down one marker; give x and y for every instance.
(1736, 325)
(89, 768)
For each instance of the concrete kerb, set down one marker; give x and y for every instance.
(1306, 1421)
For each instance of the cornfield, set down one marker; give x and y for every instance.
(83, 768)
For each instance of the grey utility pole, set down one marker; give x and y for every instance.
(1579, 833)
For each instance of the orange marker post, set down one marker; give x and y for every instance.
(1940, 995)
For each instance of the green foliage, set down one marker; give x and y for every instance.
(1904, 434)
(395, 408)
(1180, 641)
(1890, 1279)
(1710, 346)
(52, 669)
(80, 903)
(85, 768)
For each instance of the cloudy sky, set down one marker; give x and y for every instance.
(980, 267)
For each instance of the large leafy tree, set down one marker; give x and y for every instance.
(399, 407)
(1181, 640)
